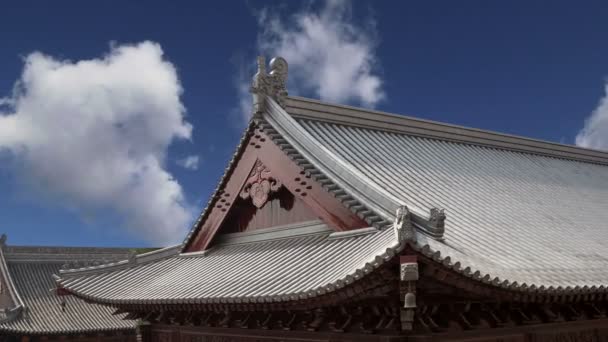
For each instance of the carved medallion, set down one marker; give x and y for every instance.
(260, 185)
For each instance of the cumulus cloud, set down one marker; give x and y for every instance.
(330, 54)
(595, 132)
(189, 163)
(94, 134)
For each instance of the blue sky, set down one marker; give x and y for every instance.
(530, 68)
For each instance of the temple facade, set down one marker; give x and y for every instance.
(31, 311)
(335, 223)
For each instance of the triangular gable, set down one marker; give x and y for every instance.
(262, 174)
(264, 202)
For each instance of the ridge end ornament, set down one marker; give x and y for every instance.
(436, 222)
(273, 84)
(403, 227)
(259, 185)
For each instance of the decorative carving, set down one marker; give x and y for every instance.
(437, 221)
(404, 229)
(272, 84)
(409, 271)
(408, 276)
(259, 185)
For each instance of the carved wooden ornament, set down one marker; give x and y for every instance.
(259, 185)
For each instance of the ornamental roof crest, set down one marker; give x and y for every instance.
(273, 84)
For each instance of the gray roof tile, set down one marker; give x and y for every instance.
(521, 213)
(31, 270)
(512, 213)
(242, 268)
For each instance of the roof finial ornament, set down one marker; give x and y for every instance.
(404, 229)
(273, 84)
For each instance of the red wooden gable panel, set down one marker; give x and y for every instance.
(281, 208)
(263, 167)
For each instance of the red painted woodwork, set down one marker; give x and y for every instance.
(281, 208)
(259, 185)
(260, 148)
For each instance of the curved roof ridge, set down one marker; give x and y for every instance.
(366, 191)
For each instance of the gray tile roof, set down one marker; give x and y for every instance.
(299, 261)
(522, 214)
(31, 269)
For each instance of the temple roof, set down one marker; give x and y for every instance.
(31, 305)
(511, 212)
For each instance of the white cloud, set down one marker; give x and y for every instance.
(329, 53)
(595, 133)
(189, 163)
(93, 134)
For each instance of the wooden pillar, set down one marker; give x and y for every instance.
(25, 339)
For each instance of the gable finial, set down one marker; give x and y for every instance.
(3, 240)
(273, 84)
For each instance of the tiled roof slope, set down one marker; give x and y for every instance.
(521, 213)
(31, 269)
(266, 265)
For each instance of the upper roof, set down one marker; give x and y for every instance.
(522, 214)
(35, 309)
(519, 211)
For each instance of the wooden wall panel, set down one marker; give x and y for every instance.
(281, 208)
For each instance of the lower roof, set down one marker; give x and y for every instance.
(31, 269)
(278, 264)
